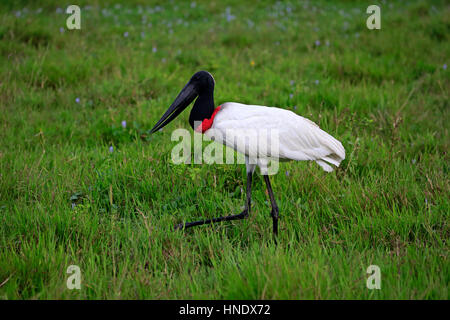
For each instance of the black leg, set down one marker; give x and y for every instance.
(274, 212)
(239, 216)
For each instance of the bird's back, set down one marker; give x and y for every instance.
(256, 130)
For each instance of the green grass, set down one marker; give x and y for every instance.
(65, 199)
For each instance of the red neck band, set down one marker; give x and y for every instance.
(207, 123)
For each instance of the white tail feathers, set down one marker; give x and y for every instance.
(336, 155)
(324, 165)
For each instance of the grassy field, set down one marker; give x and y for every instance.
(76, 187)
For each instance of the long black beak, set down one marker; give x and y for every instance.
(184, 98)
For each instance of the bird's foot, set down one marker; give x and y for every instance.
(186, 225)
(274, 215)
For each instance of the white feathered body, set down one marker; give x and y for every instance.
(262, 133)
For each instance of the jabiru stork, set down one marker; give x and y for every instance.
(299, 138)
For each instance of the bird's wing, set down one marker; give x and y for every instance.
(257, 131)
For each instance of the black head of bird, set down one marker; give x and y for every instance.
(200, 86)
